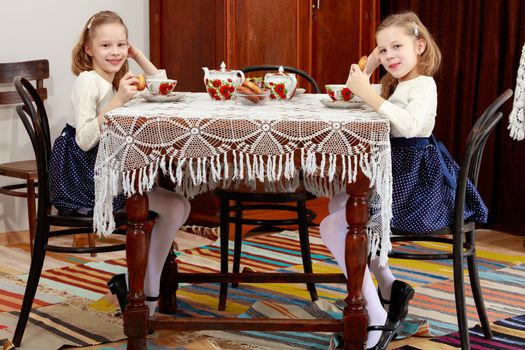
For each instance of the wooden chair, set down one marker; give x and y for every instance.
(462, 235)
(34, 118)
(249, 201)
(37, 71)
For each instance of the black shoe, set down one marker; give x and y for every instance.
(117, 285)
(388, 333)
(401, 295)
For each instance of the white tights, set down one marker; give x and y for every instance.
(173, 210)
(333, 232)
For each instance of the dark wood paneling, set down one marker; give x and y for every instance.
(266, 32)
(187, 35)
(343, 31)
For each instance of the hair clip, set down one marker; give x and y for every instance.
(90, 22)
(416, 29)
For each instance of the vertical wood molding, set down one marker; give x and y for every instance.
(155, 32)
(229, 33)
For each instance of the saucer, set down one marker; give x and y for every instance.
(341, 104)
(173, 97)
(299, 91)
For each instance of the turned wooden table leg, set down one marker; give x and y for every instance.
(137, 247)
(354, 316)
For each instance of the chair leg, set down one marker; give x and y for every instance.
(92, 242)
(237, 247)
(472, 262)
(224, 235)
(31, 212)
(37, 262)
(305, 246)
(459, 291)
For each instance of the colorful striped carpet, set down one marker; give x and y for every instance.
(503, 281)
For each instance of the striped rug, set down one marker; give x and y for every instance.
(503, 281)
(57, 326)
(509, 334)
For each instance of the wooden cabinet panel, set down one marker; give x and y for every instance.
(185, 36)
(270, 32)
(342, 32)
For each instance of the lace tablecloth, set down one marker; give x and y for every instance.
(201, 144)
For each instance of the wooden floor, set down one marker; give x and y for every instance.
(487, 239)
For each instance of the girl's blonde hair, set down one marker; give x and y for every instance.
(429, 60)
(81, 60)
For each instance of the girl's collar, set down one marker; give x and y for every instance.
(411, 79)
(106, 77)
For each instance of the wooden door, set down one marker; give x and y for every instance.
(274, 32)
(185, 36)
(342, 32)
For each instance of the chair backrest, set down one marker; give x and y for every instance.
(297, 71)
(474, 152)
(34, 117)
(36, 70)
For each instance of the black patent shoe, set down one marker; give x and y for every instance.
(117, 285)
(400, 297)
(388, 333)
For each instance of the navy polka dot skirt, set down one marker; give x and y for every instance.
(71, 176)
(424, 181)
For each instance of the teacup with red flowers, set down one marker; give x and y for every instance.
(162, 87)
(339, 92)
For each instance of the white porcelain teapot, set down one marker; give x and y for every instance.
(281, 85)
(220, 84)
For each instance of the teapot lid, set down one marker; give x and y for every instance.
(223, 67)
(281, 70)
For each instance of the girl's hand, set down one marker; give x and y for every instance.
(372, 63)
(127, 88)
(133, 52)
(144, 63)
(357, 81)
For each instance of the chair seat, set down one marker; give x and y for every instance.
(280, 197)
(25, 169)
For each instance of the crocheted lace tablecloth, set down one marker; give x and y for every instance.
(202, 144)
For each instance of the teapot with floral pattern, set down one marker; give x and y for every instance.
(281, 85)
(221, 84)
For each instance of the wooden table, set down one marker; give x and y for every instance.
(201, 145)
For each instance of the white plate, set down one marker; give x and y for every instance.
(299, 91)
(174, 96)
(341, 104)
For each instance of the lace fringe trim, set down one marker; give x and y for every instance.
(516, 117)
(323, 177)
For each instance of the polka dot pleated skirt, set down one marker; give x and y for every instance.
(71, 176)
(424, 177)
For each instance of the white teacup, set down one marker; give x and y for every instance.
(339, 92)
(161, 86)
